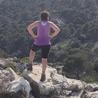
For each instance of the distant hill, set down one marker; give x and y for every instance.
(73, 17)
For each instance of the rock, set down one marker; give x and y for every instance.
(93, 94)
(56, 78)
(55, 84)
(90, 95)
(34, 85)
(2, 64)
(11, 84)
(6, 76)
(75, 85)
(20, 85)
(91, 87)
(19, 94)
(5, 63)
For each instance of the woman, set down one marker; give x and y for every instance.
(42, 40)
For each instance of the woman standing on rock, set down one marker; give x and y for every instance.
(42, 40)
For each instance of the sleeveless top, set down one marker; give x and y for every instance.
(43, 31)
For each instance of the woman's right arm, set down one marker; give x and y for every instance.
(32, 26)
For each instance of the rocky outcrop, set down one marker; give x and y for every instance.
(28, 85)
(58, 86)
(11, 83)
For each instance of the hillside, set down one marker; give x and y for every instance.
(75, 48)
(76, 18)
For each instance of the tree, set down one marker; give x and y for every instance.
(75, 65)
(96, 66)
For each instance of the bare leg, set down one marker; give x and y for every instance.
(31, 58)
(44, 65)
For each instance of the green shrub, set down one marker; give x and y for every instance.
(11, 65)
(3, 54)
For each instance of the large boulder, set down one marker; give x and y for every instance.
(11, 84)
(20, 85)
(6, 76)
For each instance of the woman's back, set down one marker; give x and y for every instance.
(43, 30)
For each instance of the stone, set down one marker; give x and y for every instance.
(6, 77)
(11, 84)
(90, 95)
(20, 85)
(91, 87)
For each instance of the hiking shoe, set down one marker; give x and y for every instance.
(43, 77)
(29, 67)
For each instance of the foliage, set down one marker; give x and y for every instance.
(12, 65)
(96, 66)
(75, 64)
(75, 46)
(3, 54)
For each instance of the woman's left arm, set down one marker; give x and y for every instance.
(32, 26)
(55, 28)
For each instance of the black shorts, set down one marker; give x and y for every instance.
(44, 50)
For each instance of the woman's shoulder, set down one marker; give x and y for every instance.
(50, 22)
(37, 21)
